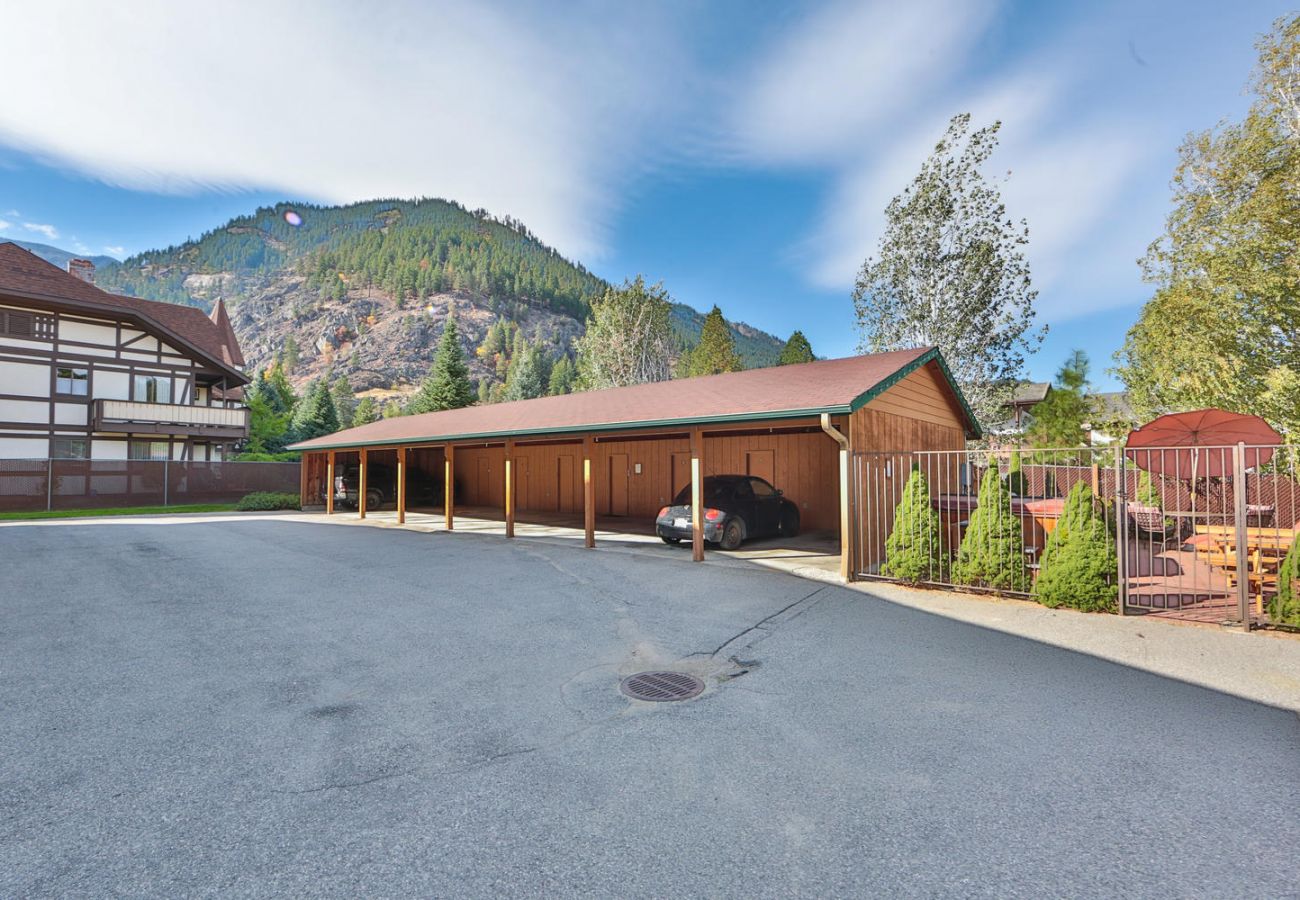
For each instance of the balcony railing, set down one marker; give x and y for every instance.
(167, 418)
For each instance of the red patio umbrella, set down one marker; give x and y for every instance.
(1176, 444)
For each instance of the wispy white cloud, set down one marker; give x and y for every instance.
(848, 70)
(115, 250)
(529, 112)
(5, 226)
(866, 91)
(48, 231)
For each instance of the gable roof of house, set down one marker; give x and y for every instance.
(1030, 392)
(24, 275)
(835, 386)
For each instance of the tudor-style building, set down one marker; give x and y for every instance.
(86, 374)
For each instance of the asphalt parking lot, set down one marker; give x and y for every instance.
(259, 707)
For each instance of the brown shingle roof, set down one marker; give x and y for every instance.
(23, 273)
(831, 386)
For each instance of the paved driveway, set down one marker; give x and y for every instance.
(259, 706)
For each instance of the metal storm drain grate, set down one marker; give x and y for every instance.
(661, 687)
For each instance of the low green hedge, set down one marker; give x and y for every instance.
(262, 500)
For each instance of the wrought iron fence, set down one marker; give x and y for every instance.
(1198, 533)
(60, 484)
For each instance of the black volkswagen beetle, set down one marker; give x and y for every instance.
(737, 507)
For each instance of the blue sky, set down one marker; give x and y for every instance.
(741, 152)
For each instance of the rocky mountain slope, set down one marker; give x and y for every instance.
(363, 290)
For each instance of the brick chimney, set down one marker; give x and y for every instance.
(83, 269)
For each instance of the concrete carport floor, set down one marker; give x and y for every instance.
(817, 552)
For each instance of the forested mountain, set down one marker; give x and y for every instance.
(362, 290)
(57, 255)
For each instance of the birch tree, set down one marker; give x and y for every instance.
(950, 271)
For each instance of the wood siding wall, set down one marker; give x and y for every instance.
(549, 476)
(919, 413)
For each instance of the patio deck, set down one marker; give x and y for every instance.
(1175, 583)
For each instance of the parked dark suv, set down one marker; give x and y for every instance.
(737, 507)
(422, 488)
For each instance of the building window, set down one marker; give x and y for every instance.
(70, 448)
(149, 450)
(71, 381)
(153, 389)
(28, 325)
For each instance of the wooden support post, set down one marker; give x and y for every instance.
(697, 495)
(401, 485)
(510, 489)
(307, 460)
(361, 489)
(329, 485)
(846, 518)
(588, 494)
(449, 485)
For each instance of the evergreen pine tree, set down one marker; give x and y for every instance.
(1017, 483)
(914, 550)
(315, 415)
(716, 351)
(289, 354)
(345, 401)
(992, 551)
(1284, 608)
(447, 385)
(796, 350)
(1079, 566)
(562, 377)
(285, 399)
(366, 412)
(525, 378)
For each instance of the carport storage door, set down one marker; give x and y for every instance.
(618, 484)
(761, 464)
(564, 484)
(681, 473)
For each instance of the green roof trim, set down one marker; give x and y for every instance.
(932, 355)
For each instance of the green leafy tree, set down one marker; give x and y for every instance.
(1059, 419)
(345, 401)
(950, 271)
(628, 339)
(267, 429)
(1079, 568)
(393, 409)
(366, 412)
(796, 350)
(315, 415)
(716, 351)
(914, 550)
(1223, 326)
(447, 385)
(526, 377)
(1284, 608)
(992, 554)
(563, 376)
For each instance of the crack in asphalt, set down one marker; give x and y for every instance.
(758, 626)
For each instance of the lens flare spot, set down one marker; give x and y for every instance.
(292, 218)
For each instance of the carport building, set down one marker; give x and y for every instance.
(624, 453)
